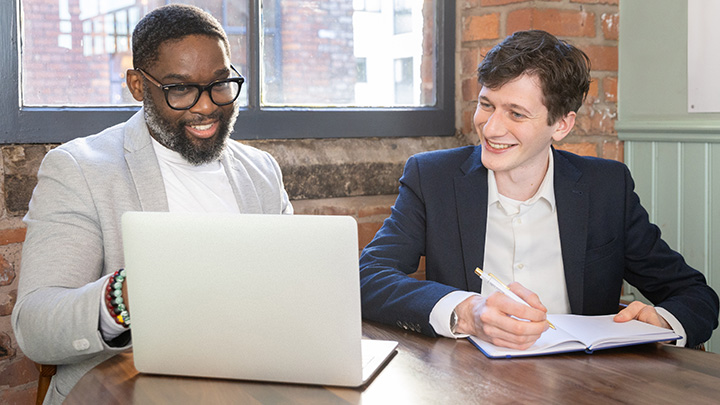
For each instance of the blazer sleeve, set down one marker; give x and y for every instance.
(389, 295)
(56, 315)
(662, 275)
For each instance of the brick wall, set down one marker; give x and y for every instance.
(590, 24)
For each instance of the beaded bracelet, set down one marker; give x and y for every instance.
(114, 299)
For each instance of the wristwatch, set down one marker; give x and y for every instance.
(453, 321)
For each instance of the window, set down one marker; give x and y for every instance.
(314, 68)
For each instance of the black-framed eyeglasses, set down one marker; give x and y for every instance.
(183, 96)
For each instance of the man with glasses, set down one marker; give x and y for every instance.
(172, 155)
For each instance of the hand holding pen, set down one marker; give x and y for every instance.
(495, 319)
(500, 286)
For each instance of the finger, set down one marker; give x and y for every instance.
(649, 315)
(497, 323)
(630, 312)
(527, 295)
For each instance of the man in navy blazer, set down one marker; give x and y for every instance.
(565, 230)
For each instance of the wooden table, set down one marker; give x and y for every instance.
(443, 371)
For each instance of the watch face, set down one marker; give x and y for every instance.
(453, 321)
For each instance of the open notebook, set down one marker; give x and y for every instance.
(577, 333)
(254, 297)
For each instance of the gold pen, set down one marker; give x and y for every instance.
(495, 282)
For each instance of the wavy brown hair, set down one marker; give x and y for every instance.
(563, 70)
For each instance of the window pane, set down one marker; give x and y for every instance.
(313, 51)
(76, 52)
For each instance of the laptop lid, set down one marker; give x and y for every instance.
(246, 296)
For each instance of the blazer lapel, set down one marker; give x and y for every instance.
(572, 199)
(143, 165)
(471, 201)
(247, 200)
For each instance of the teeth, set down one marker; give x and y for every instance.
(202, 127)
(498, 145)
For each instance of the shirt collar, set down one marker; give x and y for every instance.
(546, 192)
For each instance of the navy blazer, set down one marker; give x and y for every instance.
(605, 237)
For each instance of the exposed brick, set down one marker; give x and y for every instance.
(470, 89)
(614, 150)
(467, 4)
(18, 396)
(366, 232)
(610, 25)
(18, 371)
(374, 210)
(7, 302)
(469, 59)
(592, 95)
(23, 160)
(7, 273)
(564, 23)
(16, 235)
(583, 149)
(478, 27)
(595, 1)
(18, 191)
(596, 120)
(467, 121)
(7, 351)
(323, 210)
(610, 89)
(603, 57)
(486, 3)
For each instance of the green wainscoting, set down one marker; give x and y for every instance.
(674, 155)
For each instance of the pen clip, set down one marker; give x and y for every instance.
(498, 280)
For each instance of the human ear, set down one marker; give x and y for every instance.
(564, 125)
(134, 81)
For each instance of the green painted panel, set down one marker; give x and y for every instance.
(674, 155)
(666, 192)
(713, 273)
(639, 159)
(651, 78)
(652, 75)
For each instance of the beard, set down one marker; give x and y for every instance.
(172, 134)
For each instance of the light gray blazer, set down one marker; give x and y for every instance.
(73, 237)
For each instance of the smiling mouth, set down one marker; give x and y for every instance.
(202, 127)
(203, 130)
(498, 145)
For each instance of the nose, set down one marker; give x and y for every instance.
(204, 105)
(492, 125)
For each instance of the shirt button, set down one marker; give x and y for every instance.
(520, 266)
(81, 344)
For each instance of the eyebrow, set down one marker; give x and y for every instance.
(511, 106)
(186, 79)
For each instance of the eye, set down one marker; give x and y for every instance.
(486, 106)
(517, 115)
(180, 89)
(221, 86)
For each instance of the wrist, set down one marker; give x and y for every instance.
(114, 300)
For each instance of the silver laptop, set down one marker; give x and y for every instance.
(252, 297)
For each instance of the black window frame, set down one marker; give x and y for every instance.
(60, 124)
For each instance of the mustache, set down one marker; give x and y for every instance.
(198, 119)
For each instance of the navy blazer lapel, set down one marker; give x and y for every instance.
(471, 204)
(572, 200)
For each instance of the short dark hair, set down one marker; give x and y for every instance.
(170, 23)
(563, 70)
